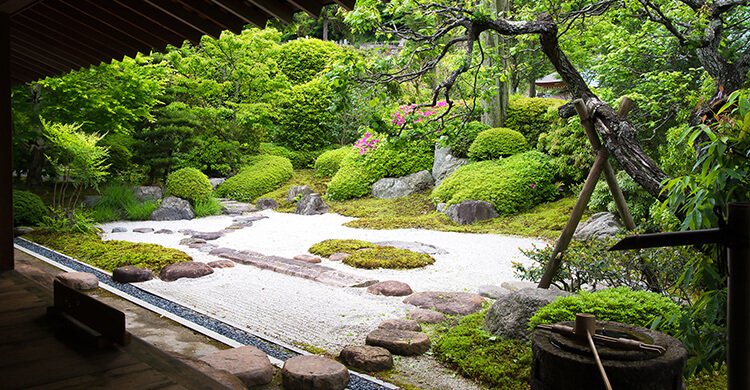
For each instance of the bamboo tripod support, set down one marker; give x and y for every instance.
(601, 165)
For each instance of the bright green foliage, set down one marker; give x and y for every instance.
(496, 143)
(120, 155)
(461, 139)
(483, 357)
(359, 171)
(305, 121)
(512, 184)
(638, 200)
(676, 156)
(117, 202)
(189, 183)
(301, 60)
(28, 208)
(301, 159)
(388, 257)
(141, 211)
(532, 116)
(328, 247)
(572, 155)
(328, 163)
(262, 174)
(112, 254)
(213, 156)
(620, 304)
(206, 207)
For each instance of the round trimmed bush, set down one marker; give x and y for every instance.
(189, 183)
(263, 174)
(302, 59)
(512, 184)
(305, 120)
(492, 144)
(463, 138)
(328, 247)
(532, 116)
(28, 208)
(388, 257)
(328, 163)
(619, 304)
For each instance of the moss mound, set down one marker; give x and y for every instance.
(496, 143)
(28, 208)
(263, 174)
(388, 257)
(189, 183)
(328, 247)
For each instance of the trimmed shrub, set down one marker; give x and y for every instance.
(388, 257)
(189, 183)
(28, 208)
(305, 120)
(360, 170)
(328, 247)
(461, 140)
(638, 200)
(302, 59)
(301, 159)
(513, 184)
(570, 150)
(620, 304)
(264, 173)
(532, 116)
(328, 163)
(492, 144)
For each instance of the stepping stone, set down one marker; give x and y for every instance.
(208, 236)
(311, 372)
(492, 292)
(163, 231)
(222, 376)
(367, 357)
(221, 264)
(308, 258)
(221, 251)
(426, 316)
(131, 274)
(191, 240)
(390, 288)
(188, 269)
(451, 303)
(119, 230)
(338, 256)
(78, 280)
(234, 208)
(248, 363)
(400, 324)
(249, 220)
(399, 342)
(143, 230)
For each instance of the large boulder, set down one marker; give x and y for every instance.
(311, 204)
(144, 193)
(173, 209)
(599, 226)
(247, 363)
(266, 203)
(188, 269)
(471, 211)
(508, 317)
(389, 188)
(296, 191)
(445, 164)
(216, 181)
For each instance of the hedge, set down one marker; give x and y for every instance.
(264, 173)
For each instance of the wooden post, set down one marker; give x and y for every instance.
(6, 160)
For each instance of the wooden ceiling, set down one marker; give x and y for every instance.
(51, 37)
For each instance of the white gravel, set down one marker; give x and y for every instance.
(307, 313)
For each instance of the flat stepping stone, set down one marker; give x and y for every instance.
(399, 342)
(78, 280)
(390, 288)
(225, 378)
(163, 231)
(451, 303)
(311, 372)
(232, 207)
(247, 363)
(308, 258)
(119, 230)
(221, 264)
(401, 324)
(249, 220)
(338, 256)
(208, 236)
(131, 274)
(367, 357)
(143, 230)
(426, 316)
(188, 269)
(191, 240)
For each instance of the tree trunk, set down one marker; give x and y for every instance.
(325, 24)
(532, 86)
(496, 106)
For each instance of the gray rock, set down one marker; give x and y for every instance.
(311, 204)
(247, 363)
(207, 236)
(441, 207)
(401, 324)
(445, 164)
(163, 231)
(221, 263)
(216, 181)
(265, 204)
(78, 280)
(508, 317)
(145, 193)
(231, 207)
(389, 188)
(451, 303)
(119, 230)
(413, 246)
(338, 256)
(399, 342)
(426, 316)
(367, 358)
(308, 258)
(91, 201)
(599, 226)
(143, 230)
(390, 288)
(173, 209)
(516, 285)
(188, 269)
(297, 190)
(492, 292)
(471, 211)
(131, 274)
(311, 372)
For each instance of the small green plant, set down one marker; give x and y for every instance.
(189, 183)
(492, 144)
(388, 257)
(207, 207)
(328, 247)
(28, 208)
(141, 211)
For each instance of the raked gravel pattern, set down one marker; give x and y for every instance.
(307, 313)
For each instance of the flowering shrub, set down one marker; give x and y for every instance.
(366, 143)
(407, 111)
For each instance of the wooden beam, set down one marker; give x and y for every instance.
(240, 9)
(182, 15)
(134, 40)
(213, 14)
(277, 10)
(45, 49)
(165, 20)
(56, 43)
(312, 8)
(12, 7)
(6, 160)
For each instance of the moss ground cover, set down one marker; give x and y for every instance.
(388, 257)
(328, 247)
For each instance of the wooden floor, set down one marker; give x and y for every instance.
(36, 354)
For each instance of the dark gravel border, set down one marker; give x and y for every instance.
(356, 382)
